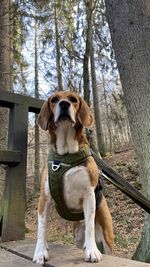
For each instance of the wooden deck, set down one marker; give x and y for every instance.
(19, 254)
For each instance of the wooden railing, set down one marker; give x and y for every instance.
(13, 204)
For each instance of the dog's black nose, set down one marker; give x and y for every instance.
(64, 104)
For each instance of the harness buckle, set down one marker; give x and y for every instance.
(56, 165)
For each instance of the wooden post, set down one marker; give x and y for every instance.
(12, 207)
(13, 224)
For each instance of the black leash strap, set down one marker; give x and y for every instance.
(122, 184)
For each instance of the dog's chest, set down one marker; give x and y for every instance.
(76, 183)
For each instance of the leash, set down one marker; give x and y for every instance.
(122, 184)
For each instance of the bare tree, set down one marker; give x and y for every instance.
(107, 114)
(86, 80)
(129, 23)
(37, 141)
(5, 79)
(96, 103)
(58, 54)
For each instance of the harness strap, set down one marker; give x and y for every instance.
(56, 188)
(57, 166)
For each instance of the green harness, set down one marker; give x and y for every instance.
(57, 166)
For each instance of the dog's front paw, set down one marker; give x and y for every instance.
(40, 255)
(92, 254)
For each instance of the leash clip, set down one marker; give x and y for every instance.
(56, 165)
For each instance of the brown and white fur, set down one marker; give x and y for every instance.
(64, 115)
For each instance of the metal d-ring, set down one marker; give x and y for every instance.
(56, 165)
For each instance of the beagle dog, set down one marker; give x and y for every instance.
(64, 115)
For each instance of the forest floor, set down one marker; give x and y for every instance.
(127, 216)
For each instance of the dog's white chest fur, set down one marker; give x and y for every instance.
(76, 180)
(66, 142)
(76, 183)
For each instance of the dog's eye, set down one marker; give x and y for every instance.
(73, 99)
(54, 100)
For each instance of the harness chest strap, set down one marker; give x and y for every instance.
(56, 169)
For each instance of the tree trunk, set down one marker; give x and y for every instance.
(58, 54)
(107, 114)
(97, 111)
(5, 46)
(37, 146)
(5, 81)
(129, 23)
(86, 76)
(86, 80)
(23, 79)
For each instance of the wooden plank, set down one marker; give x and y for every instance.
(8, 259)
(8, 100)
(68, 256)
(9, 157)
(13, 227)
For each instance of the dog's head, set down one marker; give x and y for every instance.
(65, 106)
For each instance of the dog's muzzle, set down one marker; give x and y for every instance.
(64, 111)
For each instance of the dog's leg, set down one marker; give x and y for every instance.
(79, 233)
(104, 229)
(92, 253)
(41, 250)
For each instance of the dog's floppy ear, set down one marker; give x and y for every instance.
(44, 116)
(84, 114)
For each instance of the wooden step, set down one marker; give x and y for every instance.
(20, 253)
